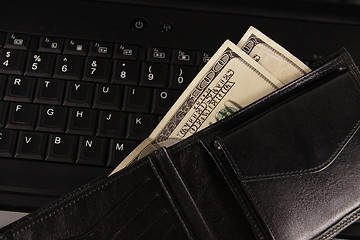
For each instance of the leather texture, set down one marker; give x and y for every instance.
(285, 167)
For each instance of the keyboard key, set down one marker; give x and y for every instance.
(126, 72)
(17, 41)
(97, 69)
(81, 121)
(69, 67)
(203, 58)
(20, 89)
(160, 55)
(51, 44)
(2, 37)
(12, 61)
(154, 75)
(78, 94)
(136, 99)
(76, 47)
(92, 151)
(3, 111)
(22, 116)
(3, 81)
(62, 148)
(108, 96)
(40, 64)
(181, 76)
(7, 142)
(126, 51)
(112, 124)
(52, 119)
(163, 100)
(183, 57)
(31, 145)
(49, 91)
(101, 49)
(140, 126)
(119, 149)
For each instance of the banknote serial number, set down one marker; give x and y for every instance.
(206, 103)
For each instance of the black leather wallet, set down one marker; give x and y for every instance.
(285, 167)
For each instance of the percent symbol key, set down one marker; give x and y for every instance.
(40, 64)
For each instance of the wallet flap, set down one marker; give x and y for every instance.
(296, 164)
(302, 135)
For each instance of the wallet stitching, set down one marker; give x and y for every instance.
(86, 195)
(341, 225)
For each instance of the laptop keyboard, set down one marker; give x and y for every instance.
(83, 102)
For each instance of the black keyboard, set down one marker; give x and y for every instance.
(74, 107)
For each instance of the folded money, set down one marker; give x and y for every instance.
(235, 76)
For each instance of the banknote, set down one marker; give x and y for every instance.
(230, 81)
(273, 57)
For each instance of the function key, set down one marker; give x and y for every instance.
(50, 44)
(184, 57)
(17, 41)
(203, 58)
(125, 51)
(100, 49)
(161, 55)
(76, 47)
(2, 37)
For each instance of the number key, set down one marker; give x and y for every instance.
(40, 64)
(155, 75)
(12, 61)
(97, 69)
(126, 72)
(181, 76)
(69, 67)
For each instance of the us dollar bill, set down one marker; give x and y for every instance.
(273, 57)
(230, 81)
